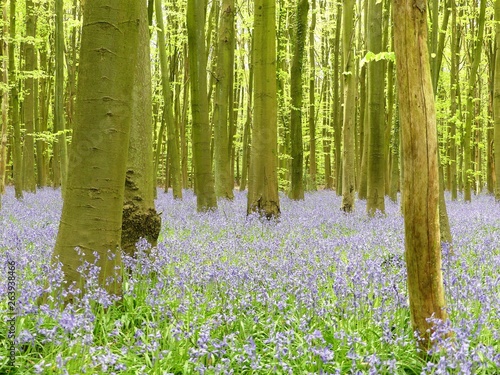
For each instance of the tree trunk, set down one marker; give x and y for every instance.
(14, 108)
(223, 87)
(312, 96)
(245, 163)
(420, 164)
(297, 152)
(263, 175)
(349, 75)
(172, 129)
(60, 148)
(496, 102)
(376, 164)
(393, 194)
(4, 90)
(29, 180)
(476, 58)
(204, 178)
(92, 211)
(454, 82)
(337, 125)
(140, 219)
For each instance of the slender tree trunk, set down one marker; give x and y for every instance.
(223, 87)
(348, 183)
(297, 152)
(247, 127)
(204, 178)
(393, 194)
(326, 133)
(263, 175)
(183, 129)
(45, 98)
(312, 99)
(4, 90)
(337, 125)
(92, 211)
(454, 82)
(140, 219)
(420, 163)
(496, 102)
(29, 180)
(14, 108)
(172, 129)
(476, 58)
(376, 162)
(60, 148)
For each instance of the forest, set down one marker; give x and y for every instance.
(250, 187)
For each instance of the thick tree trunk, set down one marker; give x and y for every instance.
(140, 219)
(376, 158)
(92, 211)
(420, 164)
(223, 87)
(263, 175)
(204, 178)
(172, 129)
(297, 152)
(348, 183)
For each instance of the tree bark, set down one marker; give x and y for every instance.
(496, 102)
(349, 76)
(297, 152)
(420, 164)
(476, 58)
(92, 210)
(312, 100)
(172, 129)
(14, 108)
(29, 180)
(376, 159)
(60, 147)
(263, 175)
(139, 218)
(4, 98)
(223, 87)
(204, 178)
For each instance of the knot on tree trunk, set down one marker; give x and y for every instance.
(137, 223)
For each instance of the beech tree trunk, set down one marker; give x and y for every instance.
(223, 87)
(376, 158)
(201, 134)
(92, 211)
(420, 164)
(263, 175)
(14, 108)
(496, 102)
(476, 58)
(172, 129)
(349, 76)
(297, 152)
(140, 219)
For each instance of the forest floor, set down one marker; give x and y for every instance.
(319, 291)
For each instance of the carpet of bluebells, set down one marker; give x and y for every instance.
(319, 291)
